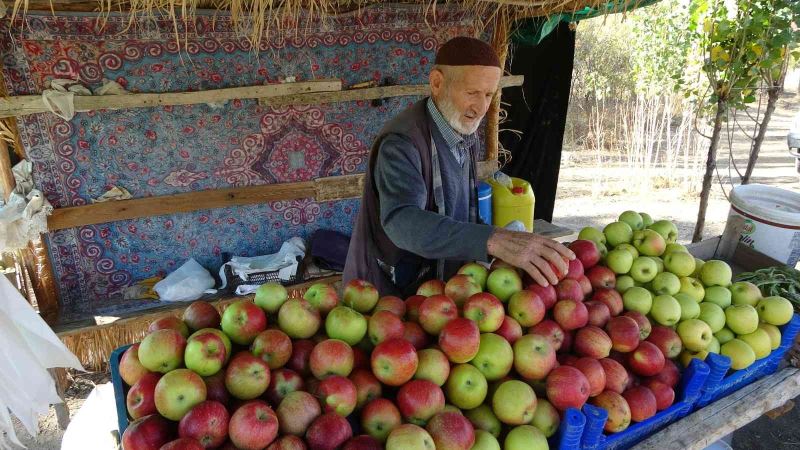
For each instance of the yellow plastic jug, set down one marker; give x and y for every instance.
(508, 206)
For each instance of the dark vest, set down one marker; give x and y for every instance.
(369, 242)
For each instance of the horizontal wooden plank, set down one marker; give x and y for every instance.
(706, 426)
(31, 104)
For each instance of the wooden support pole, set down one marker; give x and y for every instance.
(500, 45)
(7, 182)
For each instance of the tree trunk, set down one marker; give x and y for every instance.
(711, 164)
(773, 93)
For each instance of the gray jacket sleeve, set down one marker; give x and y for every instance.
(403, 196)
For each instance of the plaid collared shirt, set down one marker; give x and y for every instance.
(458, 143)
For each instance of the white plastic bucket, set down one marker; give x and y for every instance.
(771, 220)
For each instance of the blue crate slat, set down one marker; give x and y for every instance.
(688, 391)
(721, 384)
(571, 430)
(119, 388)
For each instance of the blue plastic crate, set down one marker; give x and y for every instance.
(689, 389)
(120, 390)
(720, 383)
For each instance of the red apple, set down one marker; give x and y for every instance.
(647, 360)
(430, 288)
(130, 369)
(273, 346)
(419, 400)
(435, 311)
(215, 388)
(570, 314)
(567, 387)
(253, 426)
(569, 289)
(413, 332)
(610, 298)
(602, 277)
(461, 287)
(331, 357)
(206, 422)
(242, 321)
(328, 432)
(392, 304)
(642, 403)
(183, 444)
(296, 412)
(486, 310)
(460, 340)
(510, 330)
(363, 442)
(624, 333)
(558, 273)
(616, 375)
(247, 376)
(384, 325)
(599, 314)
(367, 386)
(593, 342)
(282, 382)
(394, 361)
(141, 399)
(566, 344)
(451, 431)
(201, 315)
(149, 432)
(594, 373)
(526, 307)
(664, 394)
(379, 417)
(412, 307)
(288, 442)
(169, 323)
(619, 413)
(301, 353)
(669, 375)
(644, 323)
(323, 297)
(586, 285)
(667, 340)
(551, 331)
(337, 394)
(206, 351)
(575, 269)
(534, 357)
(586, 251)
(546, 293)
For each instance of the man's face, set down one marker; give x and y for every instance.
(463, 94)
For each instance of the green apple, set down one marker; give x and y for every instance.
(346, 324)
(693, 288)
(698, 265)
(695, 334)
(716, 273)
(592, 234)
(666, 229)
(773, 332)
(477, 272)
(646, 219)
(713, 315)
(630, 248)
(741, 319)
(494, 358)
(666, 283)
(643, 269)
(674, 247)
(775, 310)
(687, 356)
(525, 437)
(485, 441)
(690, 309)
(718, 295)
(760, 342)
(745, 293)
(659, 263)
(466, 386)
(603, 250)
(270, 297)
(713, 346)
(679, 263)
(504, 282)
(619, 260)
(483, 418)
(666, 310)
(433, 366)
(649, 243)
(618, 233)
(514, 402)
(741, 354)
(724, 335)
(546, 417)
(624, 283)
(637, 299)
(633, 219)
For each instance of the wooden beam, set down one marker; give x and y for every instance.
(708, 425)
(32, 104)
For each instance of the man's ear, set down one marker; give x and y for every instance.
(436, 80)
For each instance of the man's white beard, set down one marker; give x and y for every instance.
(453, 117)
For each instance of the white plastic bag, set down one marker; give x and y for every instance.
(92, 425)
(189, 282)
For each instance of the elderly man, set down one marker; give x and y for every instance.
(418, 212)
